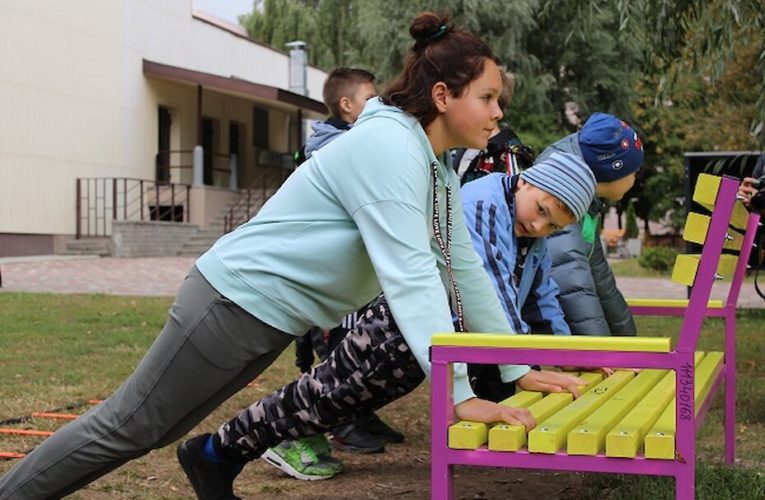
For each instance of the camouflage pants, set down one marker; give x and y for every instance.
(371, 367)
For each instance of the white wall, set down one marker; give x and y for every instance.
(75, 102)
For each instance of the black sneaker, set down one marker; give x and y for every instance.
(352, 437)
(377, 427)
(211, 481)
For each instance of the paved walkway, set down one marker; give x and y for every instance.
(163, 275)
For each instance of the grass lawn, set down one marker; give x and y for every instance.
(630, 268)
(61, 350)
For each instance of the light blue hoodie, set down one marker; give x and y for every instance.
(353, 220)
(323, 134)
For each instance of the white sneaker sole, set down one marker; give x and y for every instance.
(278, 462)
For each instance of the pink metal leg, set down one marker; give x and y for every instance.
(730, 385)
(441, 483)
(685, 426)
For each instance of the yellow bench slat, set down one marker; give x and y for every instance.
(740, 217)
(573, 342)
(548, 436)
(705, 192)
(660, 440)
(509, 437)
(706, 373)
(697, 227)
(589, 436)
(712, 304)
(686, 266)
(625, 438)
(469, 435)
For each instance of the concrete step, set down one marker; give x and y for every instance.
(201, 239)
(89, 246)
(98, 253)
(209, 233)
(199, 248)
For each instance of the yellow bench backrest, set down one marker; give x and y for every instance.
(697, 228)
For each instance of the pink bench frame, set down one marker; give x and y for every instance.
(681, 360)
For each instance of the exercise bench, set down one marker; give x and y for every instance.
(631, 423)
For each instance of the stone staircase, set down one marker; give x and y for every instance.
(204, 238)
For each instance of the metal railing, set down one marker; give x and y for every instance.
(267, 182)
(101, 200)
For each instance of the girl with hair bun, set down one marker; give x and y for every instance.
(374, 211)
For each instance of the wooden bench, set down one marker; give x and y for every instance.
(634, 423)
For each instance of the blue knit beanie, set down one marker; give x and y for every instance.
(566, 177)
(610, 147)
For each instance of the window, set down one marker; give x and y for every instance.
(260, 128)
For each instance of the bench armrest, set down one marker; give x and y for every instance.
(670, 303)
(565, 342)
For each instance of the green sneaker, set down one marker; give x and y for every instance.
(322, 449)
(299, 460)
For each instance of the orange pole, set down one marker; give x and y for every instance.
(24, 432)
(11, 455)
(61, 416)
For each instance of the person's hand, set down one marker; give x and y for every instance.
(549, 381)
(481, 410)
(746, 190)
(607, 372)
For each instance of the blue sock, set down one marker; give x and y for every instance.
(210, 453)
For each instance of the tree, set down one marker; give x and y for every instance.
(700, 38)
(631, 231)
(688, 75)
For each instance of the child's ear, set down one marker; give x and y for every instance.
(439, 93)
(345, 104)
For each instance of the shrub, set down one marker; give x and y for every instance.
(658, 258)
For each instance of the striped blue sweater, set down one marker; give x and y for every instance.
(530, 302)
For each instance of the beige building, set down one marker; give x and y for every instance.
(135, 110)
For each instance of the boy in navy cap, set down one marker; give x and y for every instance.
(590, 299)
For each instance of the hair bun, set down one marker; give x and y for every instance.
(428, 26)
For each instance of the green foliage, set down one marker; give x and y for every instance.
(329, 27)
(658, 258)
(631, 230)
(685, 40)
(690, 76)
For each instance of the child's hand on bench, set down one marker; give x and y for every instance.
(550, 381)
(482, 410)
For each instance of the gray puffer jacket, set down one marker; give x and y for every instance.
(591, 302)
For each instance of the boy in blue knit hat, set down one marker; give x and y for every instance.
(508, 218)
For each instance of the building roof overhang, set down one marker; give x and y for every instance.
(238, 86)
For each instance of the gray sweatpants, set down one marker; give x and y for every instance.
(208, 350)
